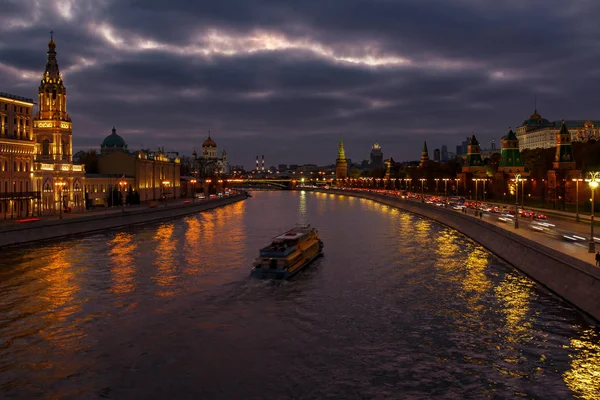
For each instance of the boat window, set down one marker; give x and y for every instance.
(273, 264)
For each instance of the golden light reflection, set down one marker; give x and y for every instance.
(584, 376)
(165, 259)
(475, 279)
(302, 209)
(514, 293)
(60, 293)
(123, 270)
(192, 242)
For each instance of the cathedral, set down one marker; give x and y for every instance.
(209, 163)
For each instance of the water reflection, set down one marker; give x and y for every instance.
(584, 375)
(123, 264)
(302, 218)
(165, 259)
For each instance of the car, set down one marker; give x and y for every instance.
(201, 197)
(220, 194)
(212, 196)
(540, 216)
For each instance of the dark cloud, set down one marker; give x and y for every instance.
(289, 78)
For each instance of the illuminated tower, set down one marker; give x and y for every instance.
(563, 159)
(52, 124)
(341, 165)
(59, 180)
(424, 155)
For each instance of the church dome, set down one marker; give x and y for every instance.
(114, 140)
(209, 142)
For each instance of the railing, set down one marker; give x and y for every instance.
(15, 97)
(20, 195)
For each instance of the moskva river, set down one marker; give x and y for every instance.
(400, 307)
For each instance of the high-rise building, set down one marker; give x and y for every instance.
(60, 181)
(444, 153)
(436, 155)
(17, 150)
(376, 158)
(341, 164)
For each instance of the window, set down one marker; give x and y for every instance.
(27, 166)
(15, 121)
(15, 166)
(46, 147)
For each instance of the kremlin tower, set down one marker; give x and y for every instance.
(341, 165)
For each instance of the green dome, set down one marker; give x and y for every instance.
(114, 140)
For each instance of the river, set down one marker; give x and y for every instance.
(400, 307)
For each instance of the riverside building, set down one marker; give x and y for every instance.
(60, 181)
(17, 150)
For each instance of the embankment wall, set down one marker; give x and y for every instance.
(47, 230)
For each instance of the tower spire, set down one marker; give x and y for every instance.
(341, 152)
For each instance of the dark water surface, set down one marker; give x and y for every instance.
(400, 308)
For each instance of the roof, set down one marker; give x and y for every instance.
(15, 97)
(209, 142)
(473, 141)
(113, 140)
(510, 136)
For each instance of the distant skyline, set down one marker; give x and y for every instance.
(287, 79)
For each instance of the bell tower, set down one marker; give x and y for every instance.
(52, 124)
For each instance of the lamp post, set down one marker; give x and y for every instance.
(437, 181)
(122, 185)
(458, 186)
(422, 189)
(446, 191)
(577, 180)
(517, 178)
(593, 181)
(59, 186)
(165, 184)
(477, 211)
(193, 182)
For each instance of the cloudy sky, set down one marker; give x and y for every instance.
(288, 78)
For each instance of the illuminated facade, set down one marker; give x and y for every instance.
(60, 181)
(209, 163)
(539, 133)
(152, 174)
(17, 150)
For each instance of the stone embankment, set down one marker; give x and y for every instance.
(572, 279)
(46, 230)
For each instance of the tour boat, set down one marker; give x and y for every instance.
(288, 254)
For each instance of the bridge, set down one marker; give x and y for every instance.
(274, 183)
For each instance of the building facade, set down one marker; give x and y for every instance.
(153, 175)
(376, 157)
(17, 151)
(60, 181)
(209, 163)
(537, 132)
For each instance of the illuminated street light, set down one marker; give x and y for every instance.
(122, 183)
(517, 178)
(593, 182)
(59, 186)
(577, 180)
(477, 211)
(193, 182)
(165, 183)
(422, 189)
(446, 190)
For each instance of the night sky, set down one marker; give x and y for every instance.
(288, 78)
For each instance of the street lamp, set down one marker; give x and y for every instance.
(437, 180)
(165, 184)
(577, 180)
(477, 212)
(59, 186)
(517, 178)
(593, 181)
(422, 189)
(122, 184)
(458, 186)
(446, 190)
(193, 182)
